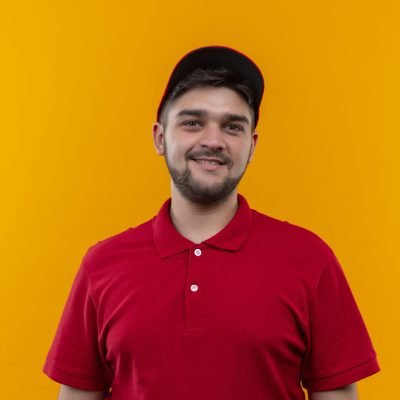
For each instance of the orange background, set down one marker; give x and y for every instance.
(80, 83)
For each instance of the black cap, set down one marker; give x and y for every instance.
(214, 57)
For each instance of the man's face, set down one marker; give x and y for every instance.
(208, 143)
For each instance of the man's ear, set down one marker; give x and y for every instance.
(158, 138)
(254, 139)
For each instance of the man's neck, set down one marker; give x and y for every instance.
(198, 222)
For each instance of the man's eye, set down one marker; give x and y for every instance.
(191, 123)
(234, 128)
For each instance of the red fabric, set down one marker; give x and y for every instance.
(272, 311)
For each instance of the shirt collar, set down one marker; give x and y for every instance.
(170, 242)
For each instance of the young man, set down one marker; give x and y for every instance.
(210, 299)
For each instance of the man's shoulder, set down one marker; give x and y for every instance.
(140, 236)
(290, 236)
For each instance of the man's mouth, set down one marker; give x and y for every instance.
(209, 161)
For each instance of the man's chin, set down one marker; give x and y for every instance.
(205, 198)
(203, 189)
(206, 194)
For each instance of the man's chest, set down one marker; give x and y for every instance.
(150, 308)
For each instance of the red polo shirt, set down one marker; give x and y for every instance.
(253, 312)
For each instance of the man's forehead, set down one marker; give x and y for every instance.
(210, 101)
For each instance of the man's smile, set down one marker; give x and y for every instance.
(209, 164)
(209, 160)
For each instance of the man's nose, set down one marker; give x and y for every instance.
(212, 137)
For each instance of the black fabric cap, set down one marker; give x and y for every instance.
(214, 57)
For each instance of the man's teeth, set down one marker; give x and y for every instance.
(208, 162)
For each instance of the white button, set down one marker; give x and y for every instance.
(194, 288)
(197, 252)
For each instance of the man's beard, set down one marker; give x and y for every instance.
(197, 192)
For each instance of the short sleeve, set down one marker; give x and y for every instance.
(75, 358)
(340, 350)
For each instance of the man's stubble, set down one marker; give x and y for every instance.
(197, 192)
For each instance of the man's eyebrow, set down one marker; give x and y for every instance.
(192, 112)
(236, 117)
(203, 113)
